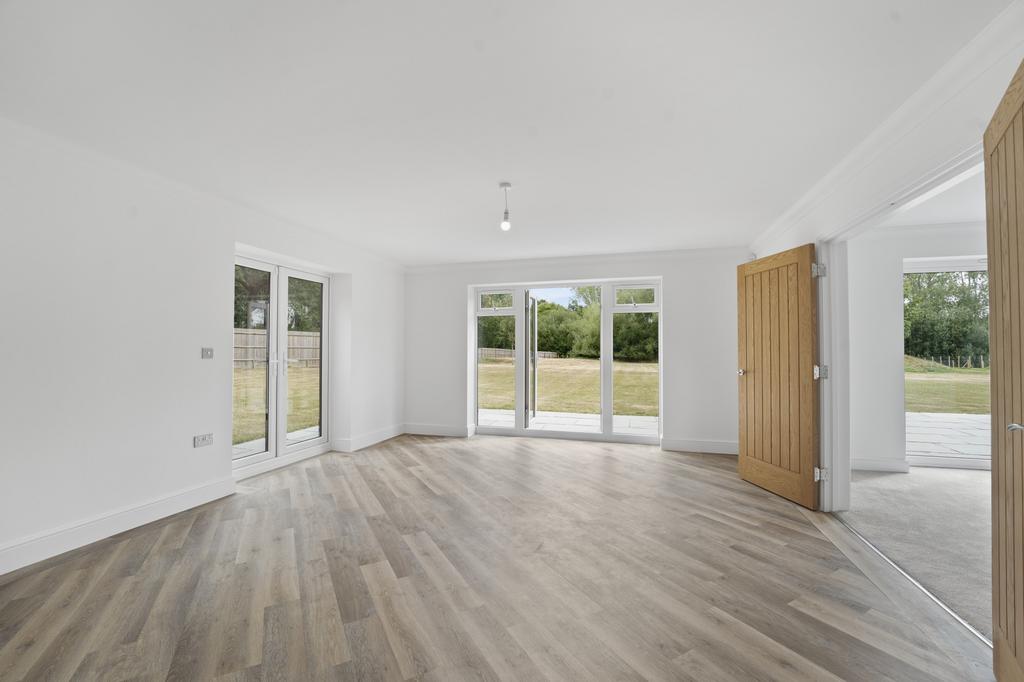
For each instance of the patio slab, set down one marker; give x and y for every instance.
(941, 434)
(571, 422)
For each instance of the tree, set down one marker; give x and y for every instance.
(636, 337)
(945, 313)
(496, 332)
(555, 328)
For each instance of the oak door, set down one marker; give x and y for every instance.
(777, 384)
(1004, 188)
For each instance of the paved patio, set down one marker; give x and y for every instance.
(965, 437)
(572, 422)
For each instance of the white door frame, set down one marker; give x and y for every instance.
(834, 319)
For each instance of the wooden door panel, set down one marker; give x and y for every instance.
(1004, 189)
(777, 309)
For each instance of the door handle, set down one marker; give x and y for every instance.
(1014, 427)
(741, 372)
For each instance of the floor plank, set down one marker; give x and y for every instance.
(487, 559)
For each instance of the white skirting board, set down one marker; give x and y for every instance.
(714, 447)
(48, 544)
(863, 464)
(437, 430)
(367, 439)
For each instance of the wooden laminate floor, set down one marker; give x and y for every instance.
(447, 559)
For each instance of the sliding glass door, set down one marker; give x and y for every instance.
(278, 390)
(570, 359)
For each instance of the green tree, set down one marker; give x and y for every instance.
(945, 313)
(555, 328)
(496, 332)
(635, 337)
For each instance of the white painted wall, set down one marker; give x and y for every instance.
(877, 417)
(699, 393)
(113, 279)
(943, 121)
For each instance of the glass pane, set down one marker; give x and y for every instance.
(634, 295)
(496, 371)
(250, 379)
(494, 301)
(564, 384)
(305, 316)
(635, 374)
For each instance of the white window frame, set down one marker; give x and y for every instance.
(277, 355)
(608, 310)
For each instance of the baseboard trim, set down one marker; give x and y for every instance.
(437, 430)
(266, 465)
(891, 465)
(714, 447)
(367, 439)
(979, 463)
(26, 551)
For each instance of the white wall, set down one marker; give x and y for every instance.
(877, 417)
(112, 280)
(942, 122)
(698, 335)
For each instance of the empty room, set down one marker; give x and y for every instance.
(460, 340)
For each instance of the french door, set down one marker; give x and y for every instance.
(578, 360)
(279, 361)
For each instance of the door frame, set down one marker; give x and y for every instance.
(834, 318)
(519, 310)
(277, 358)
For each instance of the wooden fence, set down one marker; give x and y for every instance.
(962, 361)
(251, 348)
(495, 353)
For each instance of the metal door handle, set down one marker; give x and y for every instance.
(1014, 427)
(741, 372)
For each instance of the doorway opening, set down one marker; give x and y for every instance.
(576, 359)
(919, 396)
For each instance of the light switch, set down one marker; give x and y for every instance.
(202, 441)
(207, 353)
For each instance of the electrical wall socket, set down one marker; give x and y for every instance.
(202, 440)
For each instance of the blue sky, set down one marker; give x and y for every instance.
(559, 295)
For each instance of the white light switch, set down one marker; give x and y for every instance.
(207, 353)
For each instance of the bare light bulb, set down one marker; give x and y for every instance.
(506, 224)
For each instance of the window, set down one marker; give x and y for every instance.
(496, 300)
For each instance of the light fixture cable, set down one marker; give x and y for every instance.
(506, 222)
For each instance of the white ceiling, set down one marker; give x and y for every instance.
(624, 126)
(961, 203)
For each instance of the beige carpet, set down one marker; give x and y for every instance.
(936, 524)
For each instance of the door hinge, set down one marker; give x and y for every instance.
(818, 270)
(820, 474)
(821, 371)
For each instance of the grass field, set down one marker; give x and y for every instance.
(931, 387)
(249, 392)
(573, 385)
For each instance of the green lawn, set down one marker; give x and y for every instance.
(931, 387)
(573, 385)
(250, 403)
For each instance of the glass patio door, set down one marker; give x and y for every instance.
(570, 359)
(278, 386)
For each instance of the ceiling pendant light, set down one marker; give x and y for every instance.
(506, 222)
